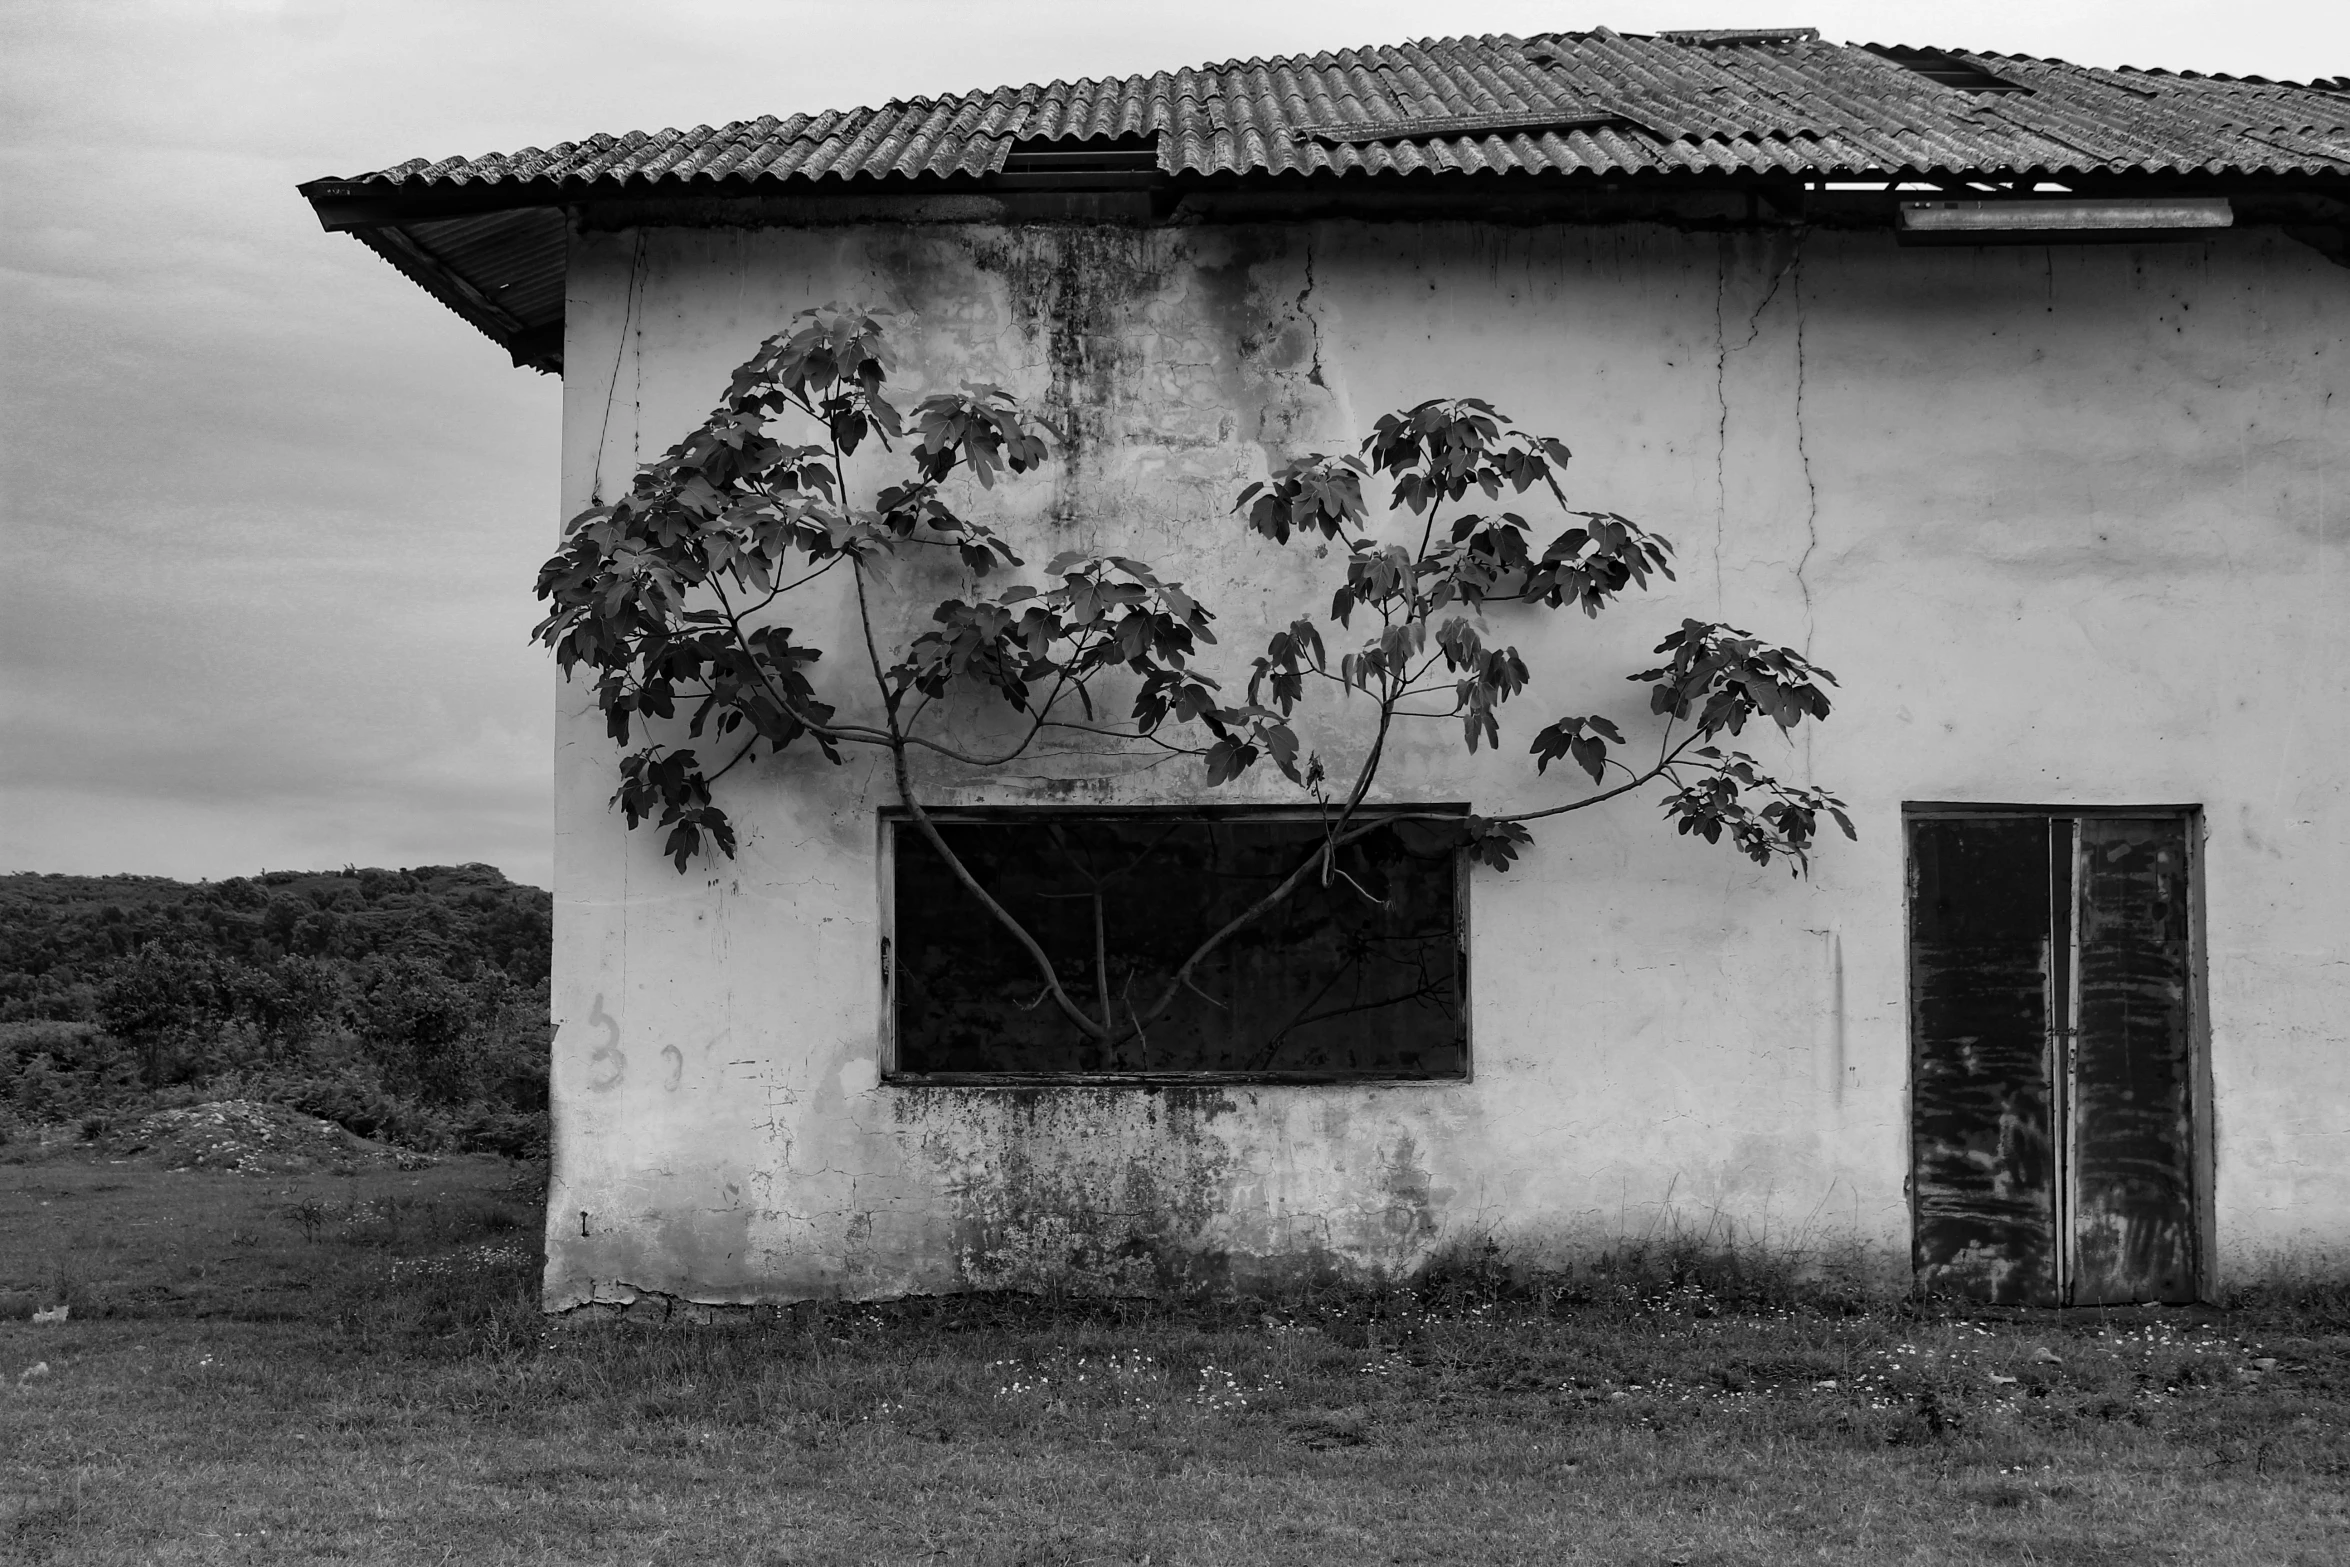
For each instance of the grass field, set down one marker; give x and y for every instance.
(322, 1368)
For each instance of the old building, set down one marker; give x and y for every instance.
(2016, 393)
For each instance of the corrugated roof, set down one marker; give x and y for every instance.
(1758, 100)
(1745, 103)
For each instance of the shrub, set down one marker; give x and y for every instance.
(55, 1071)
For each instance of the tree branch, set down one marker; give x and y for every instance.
(1044, 964)
(711, 778)
(855, 733)
(1290, 883)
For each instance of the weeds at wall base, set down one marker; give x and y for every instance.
(1635, 1282)
(359, 1366)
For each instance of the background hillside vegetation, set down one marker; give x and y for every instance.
(406, 1005)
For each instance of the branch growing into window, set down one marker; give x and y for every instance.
(673, 600)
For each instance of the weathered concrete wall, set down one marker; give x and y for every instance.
(2066, 522)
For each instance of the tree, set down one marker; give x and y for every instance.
(191, 1012)
(668, 598)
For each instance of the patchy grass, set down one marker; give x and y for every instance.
(273, 1369)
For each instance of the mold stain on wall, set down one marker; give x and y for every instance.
(1158, 349)
(1133, 1190)
(1104, 1190)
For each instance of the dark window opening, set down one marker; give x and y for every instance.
(1364, 977)
(1947, 70)
(1042, 155)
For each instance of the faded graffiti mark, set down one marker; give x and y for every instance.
(676, 1059)
(607, 1055)
(1411, 1209)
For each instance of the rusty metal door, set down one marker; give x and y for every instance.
(2051, 1051)
(2132, 1196)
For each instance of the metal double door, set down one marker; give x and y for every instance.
(2053, 1056)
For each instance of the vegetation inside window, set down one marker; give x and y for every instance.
(1359, 975)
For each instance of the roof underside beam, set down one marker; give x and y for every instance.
(502, 272)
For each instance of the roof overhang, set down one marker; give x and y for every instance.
(495, 252)
(496, 262)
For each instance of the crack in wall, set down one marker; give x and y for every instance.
(1261, 301)
(619, 352)
(1811, 487)
(1754, 317)
(1723, 350)
(1306, 313)
(1789, 275)
(636, 368)
(1722, 404)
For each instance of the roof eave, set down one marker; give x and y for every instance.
(344, 206)
(381, 213)
(531, 347)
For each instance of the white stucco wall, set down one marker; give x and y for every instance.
(2065, 521)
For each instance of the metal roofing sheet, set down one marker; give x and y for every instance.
(486, 236)
(1759, 101)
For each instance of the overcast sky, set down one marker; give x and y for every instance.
(270, 513)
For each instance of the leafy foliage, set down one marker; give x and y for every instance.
(60, 935)
(409, 1003)
(667, 599)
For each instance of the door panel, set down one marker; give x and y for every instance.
(2133, 1185)
(1982, 1164)
(2052, 1057)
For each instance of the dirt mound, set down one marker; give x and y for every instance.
(245, 1137)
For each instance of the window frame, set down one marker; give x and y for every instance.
(890, 820)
